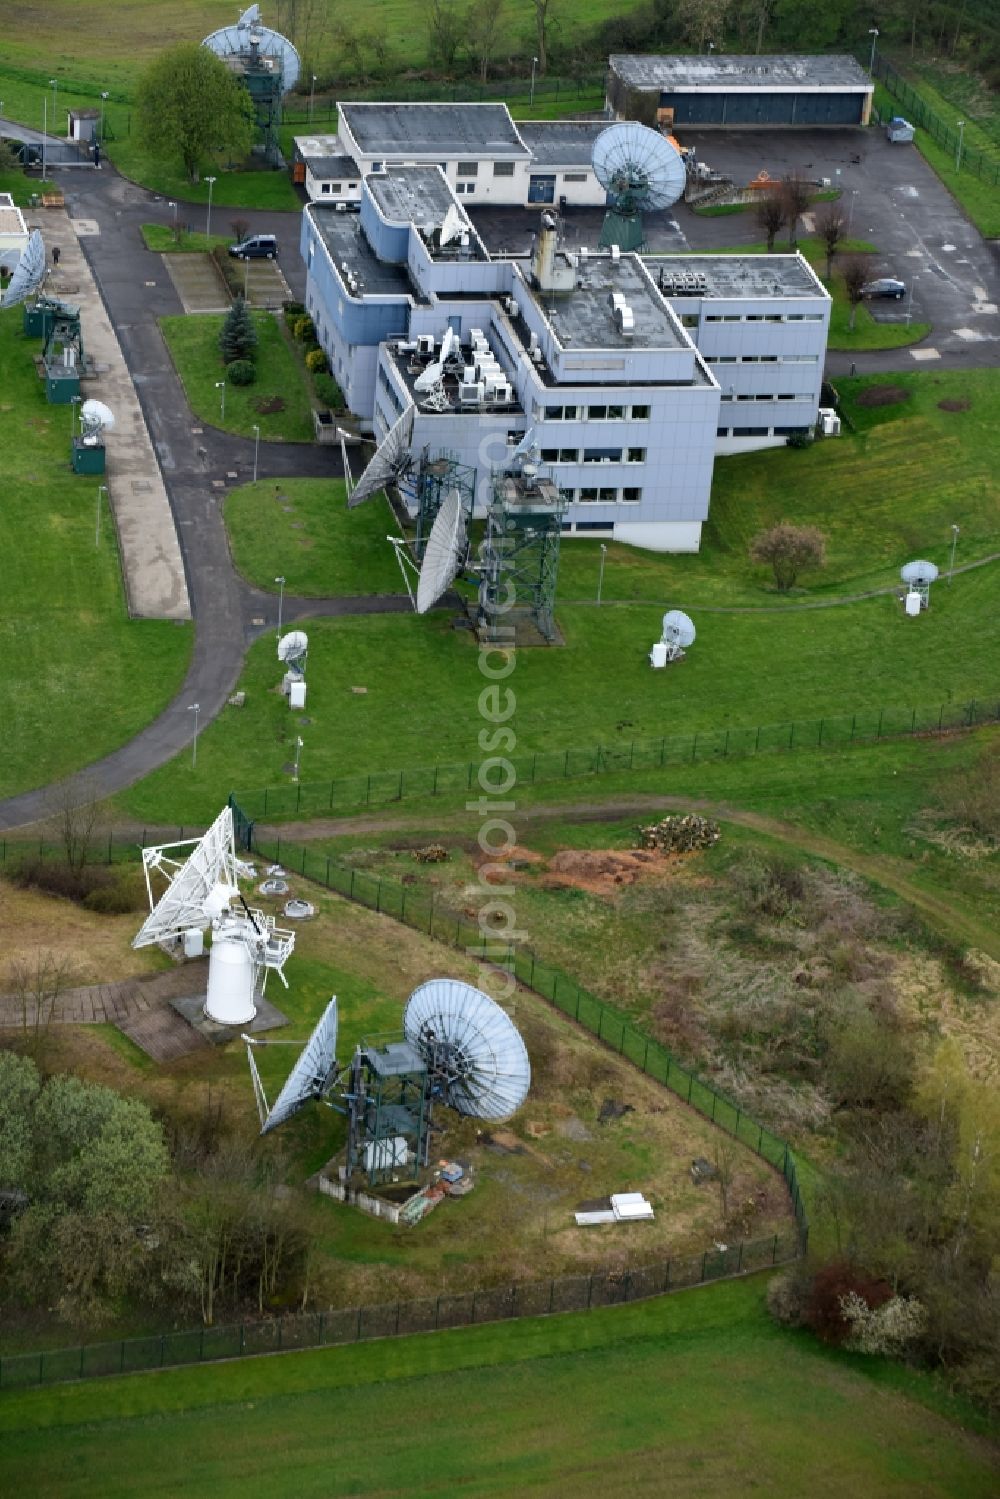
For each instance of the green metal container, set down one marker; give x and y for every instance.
(62, 383)
(88, 458)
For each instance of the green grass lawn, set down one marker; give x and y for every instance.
(422, 684)
(700, 1387)
(19, 186)
(79, 678)
(194, 347)
(161, 238)
(302, 529)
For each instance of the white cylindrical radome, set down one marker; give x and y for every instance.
(230, 999)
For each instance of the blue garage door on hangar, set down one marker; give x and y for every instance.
(764, 109)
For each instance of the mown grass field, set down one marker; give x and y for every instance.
(194, 347)
(80, 677)
(700, 1387)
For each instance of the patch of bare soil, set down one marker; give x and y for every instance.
(883, 395)
(958, 403)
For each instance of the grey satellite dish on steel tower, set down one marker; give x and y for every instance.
(472, 1045)
(446, 552)
(641, 171)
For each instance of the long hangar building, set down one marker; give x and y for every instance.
(733, 90)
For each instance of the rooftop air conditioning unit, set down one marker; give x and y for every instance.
(616, 301)
(340, 207)
(537, 356)
(829, 421)
(616, 253)
(425, 343)
(510, 306)
(625, 318)
(472, 394)
(503, 394)
(468, 374)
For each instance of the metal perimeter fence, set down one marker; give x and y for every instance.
(919, 112)
(830, 732)
(568, 1293)
(109, 848)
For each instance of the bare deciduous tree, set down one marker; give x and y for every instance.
(486, 29)
(703, 21)
(32, 987)
(724, 1161)
(830, 225)
(796, 195)
(545, 18)
(789, 550)
(447, 27)
(855, 272)
(769, 211)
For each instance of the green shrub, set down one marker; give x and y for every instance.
(798, 440)
(316, 361)
(291, 312)
(241, 372)
(304, 329)
(328, 391)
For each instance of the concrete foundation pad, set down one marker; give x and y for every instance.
(192, 1009)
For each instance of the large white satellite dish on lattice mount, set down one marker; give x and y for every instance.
(471, 1046)
(918, 577)
(390, 462)
(202, 893)
(641, 171)
(28, 274)
(253, 43)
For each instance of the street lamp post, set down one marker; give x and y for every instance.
(850, 211)
(600, 575)
(958, 148)
(104, 100)
(873, 33)
(246, 275)
(534, 65)
(298, 757)
(281, 597)
(954, 544)
(45, 129)
(194, 708)
(74, 402)
(54, 86)
(221, 385)
(101, 489)
(256, 449)
(312, 98)
(208, 216)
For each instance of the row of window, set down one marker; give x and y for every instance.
(604, 495)
(593, 455)
(593, 413)
(332, 189)
(761, 358)
(728, 396)
(764, 317)
(758, 431)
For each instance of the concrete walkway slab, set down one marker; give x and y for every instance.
(197, 281)
(153, 569)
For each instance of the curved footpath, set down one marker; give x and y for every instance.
(224, 607)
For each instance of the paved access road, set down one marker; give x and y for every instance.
(228, 613)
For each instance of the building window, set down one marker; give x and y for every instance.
(603, 455)
(751, 431)
(574, 176)
(569, 455)
(597, 413)
(550, 455)
(787, 431)
(635, 455)
(588, 495)
(600, 526)
(607, 496)
(640, 413)
(631, 495)
(567, 496)
(503, 169)
(616, 413)
(326, 187)
(467, 169)
(465, 187)
(352, 187)
(722, 431)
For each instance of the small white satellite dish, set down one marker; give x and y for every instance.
(525, 448)
(445, 554)
(448, 345)
(293, 646)
(677, 627)
(429, 378)
(919, 574)
(453, 226)
(95, 418)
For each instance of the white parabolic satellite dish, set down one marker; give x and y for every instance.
(445, 553)
(459, 1027)
(293, 646)
(234, 41)
(96, 417)
(639, 168)
(678, 629)
(311, 1076)
(389, 462)
(28, 273)
(919, 573)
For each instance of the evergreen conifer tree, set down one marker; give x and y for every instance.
(238, 338)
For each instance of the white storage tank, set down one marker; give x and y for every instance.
(230, 999)
(297, 693)
(658, 655)
(912, 603)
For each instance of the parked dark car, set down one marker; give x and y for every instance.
(885, 286)
(256, 247)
